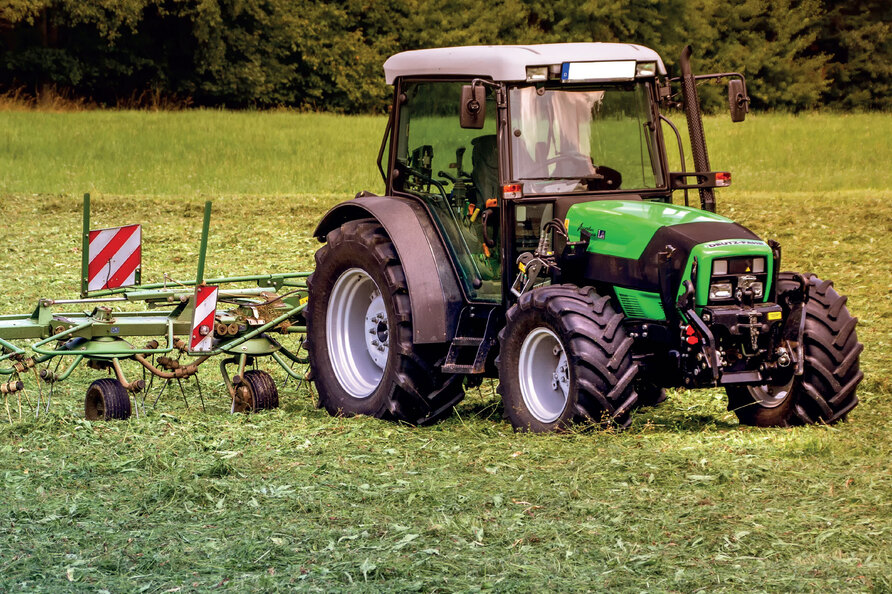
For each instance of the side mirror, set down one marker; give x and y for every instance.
(473, 106)
(737, 100)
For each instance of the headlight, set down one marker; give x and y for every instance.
(646, 69)
(719, 267)
(537, 73)
(748, 281)
(719, 291)
(758, 265)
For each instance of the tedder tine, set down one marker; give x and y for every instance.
(39, 392)
(183, 392)
(160, 392)
(200, 395)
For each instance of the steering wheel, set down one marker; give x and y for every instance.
(573, 157)
(423, 176)
(567, 156)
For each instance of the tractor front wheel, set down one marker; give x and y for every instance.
(565, 357)
(825, 392)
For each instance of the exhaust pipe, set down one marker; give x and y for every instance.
(695, 126)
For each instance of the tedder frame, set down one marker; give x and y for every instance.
(166, 342)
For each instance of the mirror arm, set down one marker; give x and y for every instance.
(485, 82)
(737, 75)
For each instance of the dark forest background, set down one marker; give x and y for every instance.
(796, 54)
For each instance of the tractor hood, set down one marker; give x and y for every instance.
(624, 228)
(626, 237)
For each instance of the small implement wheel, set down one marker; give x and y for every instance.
(825, 392)
(257, 391)
(565, 357)
(359, 329)
(106, 399)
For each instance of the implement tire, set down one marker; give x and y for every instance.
(565, 357)
(825, 393)
(359, 331)
(106, 399)
(257, 391)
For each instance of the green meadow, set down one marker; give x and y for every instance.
(184, 500)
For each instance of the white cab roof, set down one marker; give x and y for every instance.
(509, 62)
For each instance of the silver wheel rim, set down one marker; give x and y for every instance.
(544, 375)
(357, 332)
(769, 395)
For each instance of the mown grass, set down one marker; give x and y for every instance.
(684, 500)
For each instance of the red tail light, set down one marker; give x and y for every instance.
(512, 191)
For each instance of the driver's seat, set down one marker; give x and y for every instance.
(485, 163)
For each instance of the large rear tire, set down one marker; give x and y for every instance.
(565, 357)
(825, 392)
(359, 329)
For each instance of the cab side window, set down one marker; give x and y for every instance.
(455, 171)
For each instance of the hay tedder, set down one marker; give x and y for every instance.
(184, 325)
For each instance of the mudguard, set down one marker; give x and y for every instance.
(435, 297)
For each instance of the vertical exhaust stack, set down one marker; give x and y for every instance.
(695, 126)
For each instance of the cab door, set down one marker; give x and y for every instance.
(454, 171)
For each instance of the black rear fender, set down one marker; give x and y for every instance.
(434, 293)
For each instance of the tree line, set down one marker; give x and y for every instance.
(796, 54)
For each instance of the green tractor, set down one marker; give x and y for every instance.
(529, 233)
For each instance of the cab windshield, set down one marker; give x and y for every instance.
(583, 139)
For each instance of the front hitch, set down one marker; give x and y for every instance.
(706, 338)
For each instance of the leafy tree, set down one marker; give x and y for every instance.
(314, 54)
(858, 36)
(766, 40)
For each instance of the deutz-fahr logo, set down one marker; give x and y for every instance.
(728, 242)
(600, 234)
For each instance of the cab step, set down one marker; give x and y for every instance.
(474, 338)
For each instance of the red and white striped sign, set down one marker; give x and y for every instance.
(115, 255)
(203, 319)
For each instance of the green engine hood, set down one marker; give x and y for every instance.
(623, 228)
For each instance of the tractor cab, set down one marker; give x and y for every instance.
(498, 141)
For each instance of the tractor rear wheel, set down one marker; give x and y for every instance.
(106, 399)
(359, 330)
(825, 392)
(565, 357)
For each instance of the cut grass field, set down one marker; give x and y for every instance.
(181, 499)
